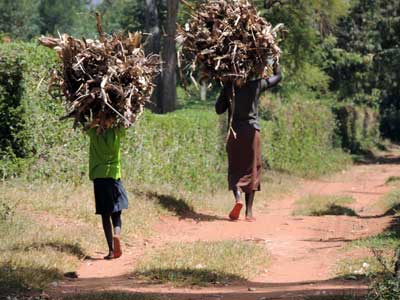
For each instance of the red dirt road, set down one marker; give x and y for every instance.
(303, 250)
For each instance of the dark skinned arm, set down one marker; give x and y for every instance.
(273, 80)
(222, 103)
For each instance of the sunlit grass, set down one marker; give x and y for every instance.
(111, 296)
(320, 205)
(203, 263)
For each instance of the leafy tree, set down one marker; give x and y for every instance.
(309, 24)
(19, 19)
(63, 16)
(364, 63)
(123, 15)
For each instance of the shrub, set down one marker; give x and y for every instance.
(22, 67)
(13, 137)
(358, 127)
(184, 149)
(300, 139)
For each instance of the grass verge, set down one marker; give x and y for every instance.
(379, 264)
(390, 203)
(393, 180)
(203, 263)
(347, 296)
(111, 296)
(363, 267)
(320, 205)
(34, 254)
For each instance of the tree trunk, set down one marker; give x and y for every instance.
(152, 26)
(168, 94)
(203, 91)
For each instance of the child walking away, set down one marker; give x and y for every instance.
(110, 195)
(243, 146)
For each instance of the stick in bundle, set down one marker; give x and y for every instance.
(228, 41)
(105, 83)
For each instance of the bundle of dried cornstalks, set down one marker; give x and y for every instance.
(106, 83)
(227, 40)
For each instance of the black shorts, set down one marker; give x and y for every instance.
(110, 195)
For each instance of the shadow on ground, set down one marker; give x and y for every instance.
(369, 158)
(14, 278)
(337, 210)
(73, 249)
(180, 208)
(121, 288)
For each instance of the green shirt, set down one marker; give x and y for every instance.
(105, 154)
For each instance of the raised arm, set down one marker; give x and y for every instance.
(222, 103)
(273, 80)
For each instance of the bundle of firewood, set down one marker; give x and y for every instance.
(227, 40)
(106, 82)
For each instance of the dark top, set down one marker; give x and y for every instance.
(246, 100)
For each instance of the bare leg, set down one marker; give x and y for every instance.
(117, 223)
(235, 212)
(237, 194)
(106, 220)
(249, 206)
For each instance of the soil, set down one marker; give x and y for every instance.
(304, 250)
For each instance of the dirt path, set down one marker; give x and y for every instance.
(304, 250)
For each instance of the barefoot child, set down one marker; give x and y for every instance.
(110, 195)
(244, 147)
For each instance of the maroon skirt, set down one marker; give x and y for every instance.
(244, 159)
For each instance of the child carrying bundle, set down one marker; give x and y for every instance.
(104, 85)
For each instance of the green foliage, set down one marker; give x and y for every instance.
(14, 136)
(63, 16)
(123, 15)
(36, 115)
(385, 287)
(309, 24)
(364, 67)
(128, 15)
(19, 19)
(300, 139)
(357, 128)
(184, 147)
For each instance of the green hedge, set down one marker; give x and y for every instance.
(184, 149)
(28, 114)
(358, 127)
(299, 139)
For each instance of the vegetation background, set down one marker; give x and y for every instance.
(339, 99)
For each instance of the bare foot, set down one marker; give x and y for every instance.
(109, 256)
(250, 219)
(117, 247)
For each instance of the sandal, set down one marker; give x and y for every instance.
(235, 212)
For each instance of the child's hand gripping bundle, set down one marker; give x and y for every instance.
(106, 82)
(227, 40)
